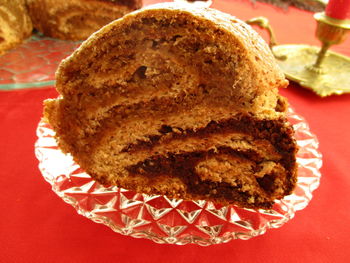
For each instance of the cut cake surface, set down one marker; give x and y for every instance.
(178, 101)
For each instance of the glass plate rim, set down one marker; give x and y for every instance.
(300, 125)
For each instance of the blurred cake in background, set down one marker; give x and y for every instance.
(15, 24)
(76, 19)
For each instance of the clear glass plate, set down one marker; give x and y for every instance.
(173, 221)
(34, 62)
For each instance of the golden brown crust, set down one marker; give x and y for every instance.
(177, 101)
(259, 72)
(15, 24)
(262, 61)
(76, 19)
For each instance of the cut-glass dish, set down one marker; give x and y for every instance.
(174, 221)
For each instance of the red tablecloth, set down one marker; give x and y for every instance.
(37, 226)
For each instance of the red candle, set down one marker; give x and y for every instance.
(338, 9)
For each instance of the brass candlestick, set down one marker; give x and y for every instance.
(330, 32)
(319, 69)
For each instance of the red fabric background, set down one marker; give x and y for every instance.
(37, 226)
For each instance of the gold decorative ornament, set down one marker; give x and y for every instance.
(324, 72)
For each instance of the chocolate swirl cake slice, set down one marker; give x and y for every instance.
(178, 101)
(77, 19)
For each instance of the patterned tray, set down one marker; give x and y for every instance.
(34, 63)
(173, 221)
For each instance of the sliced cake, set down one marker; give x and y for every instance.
(76, 19)
(15, 24)
(179, 101)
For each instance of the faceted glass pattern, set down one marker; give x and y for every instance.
(174, 221)
(34, 62)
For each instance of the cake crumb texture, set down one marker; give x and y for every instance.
(178, 101)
